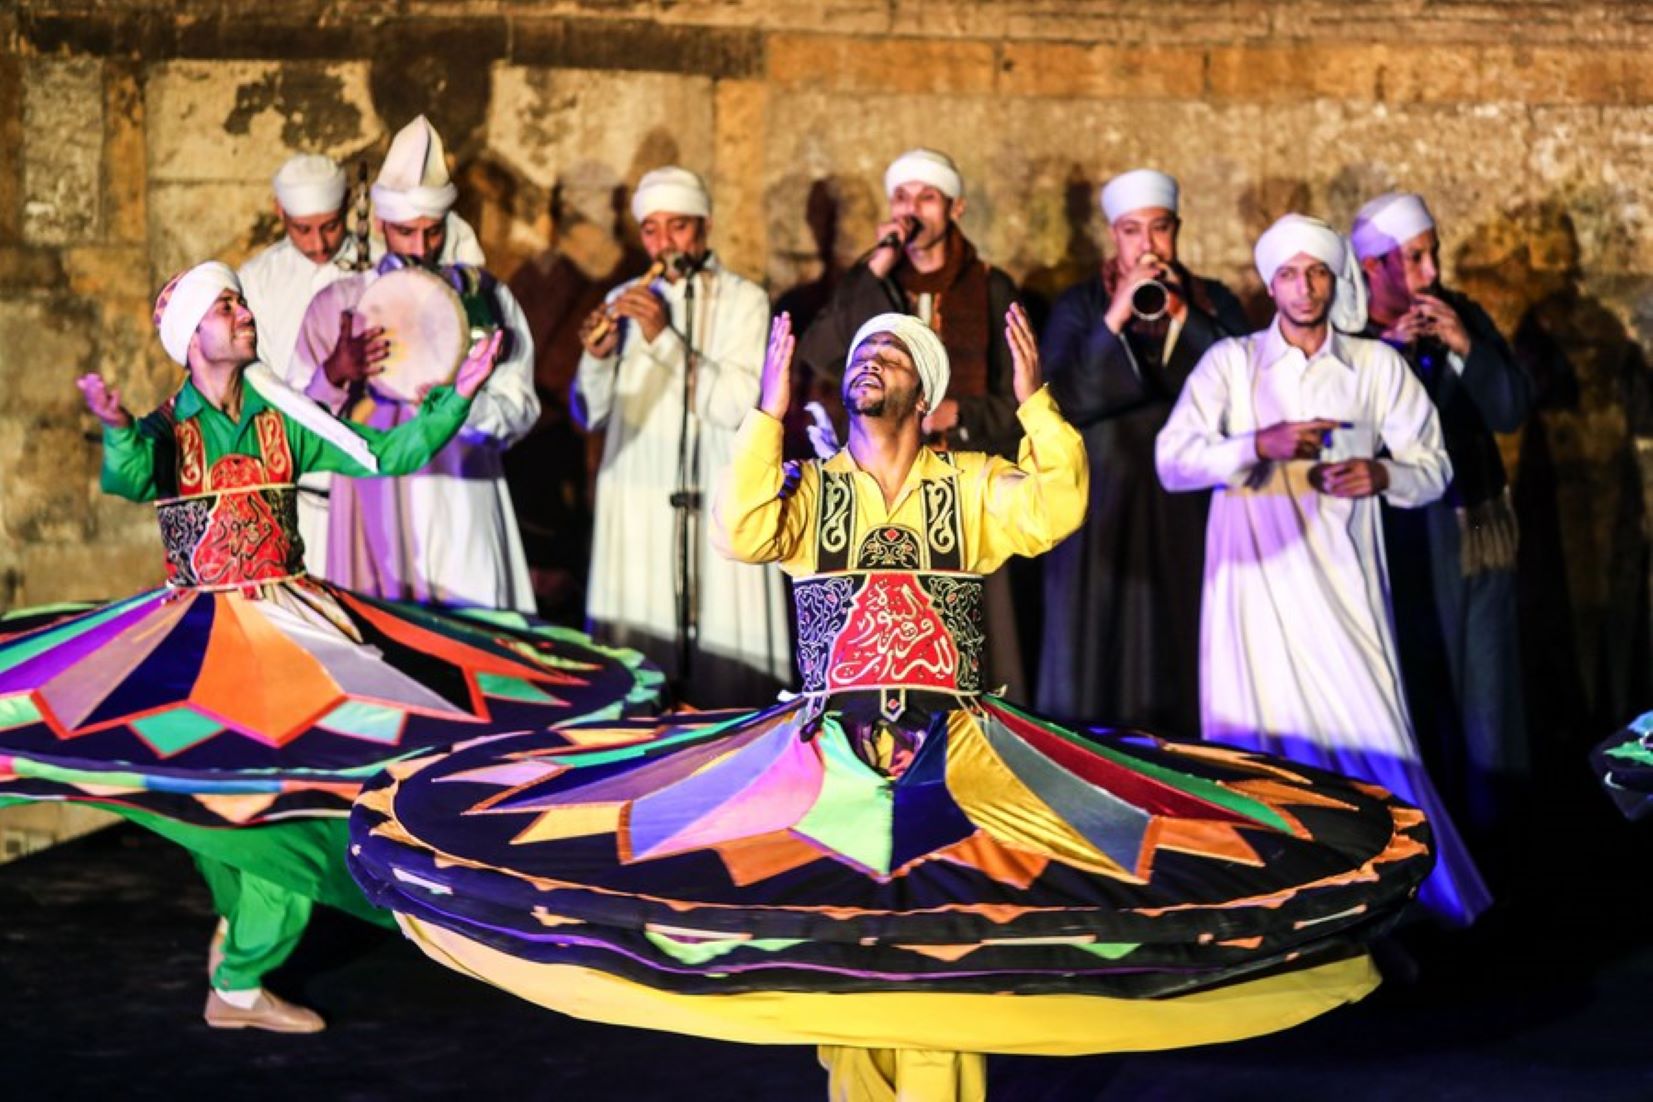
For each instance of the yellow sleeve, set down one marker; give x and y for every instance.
(1030, 506)
(756, 516)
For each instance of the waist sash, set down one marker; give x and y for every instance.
(230, 539)
(890, 631)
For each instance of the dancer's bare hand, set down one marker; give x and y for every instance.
(479, 364)
(776, 393)
(104, 401)
(1026, 376)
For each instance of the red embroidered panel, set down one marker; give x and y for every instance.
(244, 541)
(192, 458)
(272, 442)
(894, 637)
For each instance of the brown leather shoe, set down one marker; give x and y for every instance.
(270, 1012)
(215, 948)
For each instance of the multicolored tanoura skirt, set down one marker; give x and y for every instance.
(1625, 765)
(1018, 887)
(245, 705)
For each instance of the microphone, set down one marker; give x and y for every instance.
(895, 240)
(685, 265)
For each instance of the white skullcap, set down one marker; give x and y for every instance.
(309, 184)
(671, 190)
(928, 353)
(924, 166)
(1296, 233)
(183, 302)
(1388, 222)
(413, 182)
(1142, 189)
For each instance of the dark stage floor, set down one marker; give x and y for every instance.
(104, 941)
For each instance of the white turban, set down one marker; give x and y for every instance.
(924, 166)
(309, 184)
(1388, 222)
(671, 190)
(1297, 233)
(1141, 189)
(185, 301)
(413, 182)
(928, 353)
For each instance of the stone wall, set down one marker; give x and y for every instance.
(140, 136)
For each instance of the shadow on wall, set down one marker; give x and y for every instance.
(1581, 479)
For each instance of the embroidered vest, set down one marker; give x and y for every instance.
(234, 523)
(890, 610)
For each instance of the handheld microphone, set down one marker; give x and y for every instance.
(896, 239)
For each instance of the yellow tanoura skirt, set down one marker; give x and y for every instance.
(1032, 1025)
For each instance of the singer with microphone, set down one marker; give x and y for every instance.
(922, 264)
(1122, 595)
(1452, 563)
(671, 364)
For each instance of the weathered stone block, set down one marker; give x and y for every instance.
(881, 66)
(738, 180)
(644, 45)
(11, 137)
(29, 270)
(547, 124)
(238, 120)
(48, 344)
(101, 272)
(62, 150)
(125, 166)
(1102, 71)
(88, 571)
(192, 222)
(46, 467)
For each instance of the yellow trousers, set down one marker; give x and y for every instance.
(903, 1074)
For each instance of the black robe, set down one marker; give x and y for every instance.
(1455, 621)
(1122, 594)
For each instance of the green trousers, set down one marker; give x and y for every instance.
(264, 881)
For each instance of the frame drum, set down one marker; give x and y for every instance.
(425, 323)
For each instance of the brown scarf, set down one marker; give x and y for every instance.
(959, 293)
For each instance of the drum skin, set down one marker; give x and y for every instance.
(426, 326)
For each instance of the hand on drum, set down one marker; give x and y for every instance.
(358, 356)
(479, 364)
(103, 401)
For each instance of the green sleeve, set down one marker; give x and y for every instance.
(129, 459)
(401, 450)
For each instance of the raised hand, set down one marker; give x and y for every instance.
(356, 356)
(775, 394)
(1293, 439)
(1442, 322)
(104, 401)
(479, 364)
(1026, 377)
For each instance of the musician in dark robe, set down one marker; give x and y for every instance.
(922, 265)
(1452, 563)
(1122, 595)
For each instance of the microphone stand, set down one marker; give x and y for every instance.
(685, 499)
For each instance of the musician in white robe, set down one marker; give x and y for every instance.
(630, 386)
(446, 535)
(1297, 429)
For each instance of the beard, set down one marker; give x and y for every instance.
(1307, 316)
